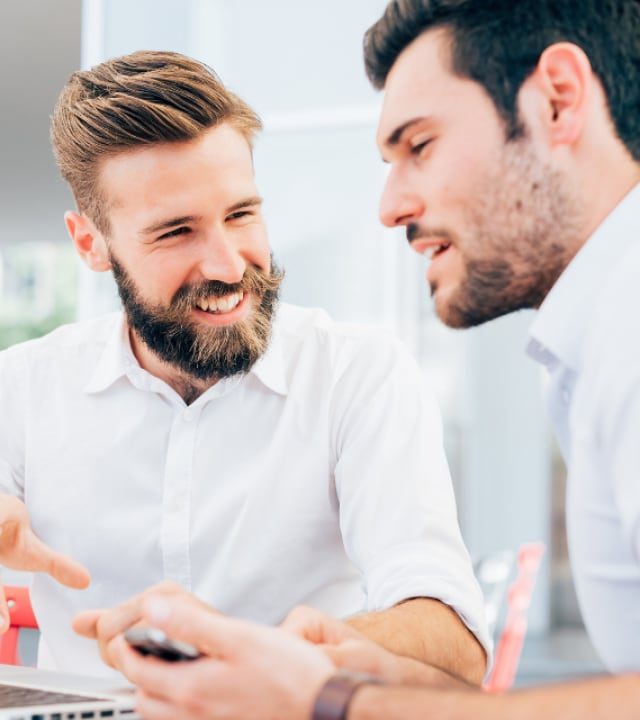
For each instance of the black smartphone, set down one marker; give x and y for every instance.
(154, 642)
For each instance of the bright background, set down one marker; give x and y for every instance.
(298, 63)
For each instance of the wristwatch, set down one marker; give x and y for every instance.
(337, 693)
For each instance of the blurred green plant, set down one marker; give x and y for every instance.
(38, 290)
(12, 334)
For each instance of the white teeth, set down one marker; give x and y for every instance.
(221, 305)
(429, 252)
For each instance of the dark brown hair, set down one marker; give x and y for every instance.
(498, 43)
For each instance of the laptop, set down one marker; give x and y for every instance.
(30, 694)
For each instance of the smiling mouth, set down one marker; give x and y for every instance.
(435, 250)
(220, 305)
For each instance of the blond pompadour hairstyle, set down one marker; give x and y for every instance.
(132, 101)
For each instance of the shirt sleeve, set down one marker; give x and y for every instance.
(397, 509)
(12, 402)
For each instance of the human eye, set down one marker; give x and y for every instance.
(182, 230)
(240, 214)
(417, 147)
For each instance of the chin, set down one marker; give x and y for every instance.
(450, 313)
(451, 318)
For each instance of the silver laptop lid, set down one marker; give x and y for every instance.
(28, 694)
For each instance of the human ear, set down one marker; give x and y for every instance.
(563, 80)
(88, 241)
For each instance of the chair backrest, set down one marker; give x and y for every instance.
(21, 616)
(509, 646)
(493, 572)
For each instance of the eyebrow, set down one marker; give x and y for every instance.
(396, 136)
(185, 219)
(248, 202)
(166, 224)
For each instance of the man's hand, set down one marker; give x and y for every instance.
(249, 671)
(20, 549)
(105, 625)
(350, 649)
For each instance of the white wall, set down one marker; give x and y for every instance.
(299, 63)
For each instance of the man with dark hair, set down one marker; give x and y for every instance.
(512, 133)
(207, 435)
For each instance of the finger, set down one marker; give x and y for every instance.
(106, 644)
(132, 665)
(39, 557)
(349, 655)
(5, 618)
(116, 620)
(105, 624)
(367, 657)
(316, 627)
(86, 623)
(186, 619)
(156, 677)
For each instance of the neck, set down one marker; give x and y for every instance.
(188, 387)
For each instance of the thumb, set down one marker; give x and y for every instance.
(349, 655)
(316, 627)
(184, 618)
(39, 557)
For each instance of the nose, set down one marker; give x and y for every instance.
(222, 260)
(398, 206)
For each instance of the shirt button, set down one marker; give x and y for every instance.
(566, 396)
(188, 415)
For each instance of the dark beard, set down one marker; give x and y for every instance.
(204, 353)
(492, 290)
(524, 230)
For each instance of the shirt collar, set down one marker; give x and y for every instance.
(270, 368)
(563, 319)
(117, 359)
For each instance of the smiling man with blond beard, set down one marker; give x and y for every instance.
(512, 134)
(254, 453)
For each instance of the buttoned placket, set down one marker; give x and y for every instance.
(175, 535)
(178, 478)
(176, 501)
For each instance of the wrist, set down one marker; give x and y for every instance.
(337, 694)
(366, 704)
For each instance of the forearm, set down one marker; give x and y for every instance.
(428, 631)
(604, 699)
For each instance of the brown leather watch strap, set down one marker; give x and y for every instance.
(333, 700)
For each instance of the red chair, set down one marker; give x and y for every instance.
(21, 616)
(511, 641)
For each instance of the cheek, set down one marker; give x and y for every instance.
(258, 251)
(160, 278)
(460, 177)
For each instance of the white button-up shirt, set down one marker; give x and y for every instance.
(319, 477)
(587, 335)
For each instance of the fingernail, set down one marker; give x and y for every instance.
(3, 623)
(157, 610)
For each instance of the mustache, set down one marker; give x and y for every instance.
(415, 232)
(254, 280)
